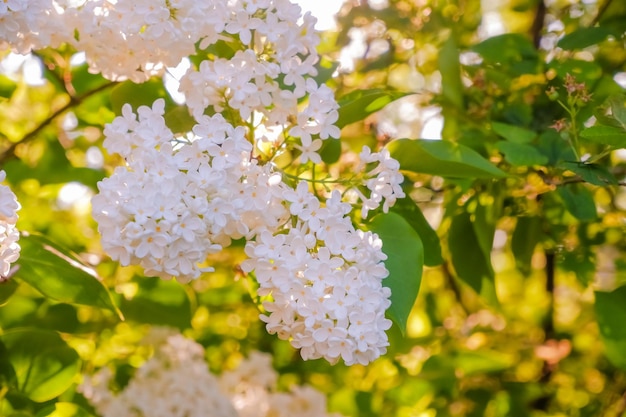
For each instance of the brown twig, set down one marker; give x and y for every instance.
(9, 152)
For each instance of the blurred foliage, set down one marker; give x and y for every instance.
(518, 214)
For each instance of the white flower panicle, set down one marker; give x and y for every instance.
(179, 200)
(9, 235)
(176, 382)
(325, 282)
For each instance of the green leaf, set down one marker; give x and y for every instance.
(359, 104)
(592, 173)
(61, 409)
(446, 159)
(330, 151)
(605, 135)
(158, 302)
(405, 260)
(411, 212)
(7, 86)
(520, 154)
(450, 68)
(136, 95)
(584, 71)
(45, 366)
(59, 275)
(513, 133)
(552, 145)
(179, 120)
(7, 288)
(53, 168)
(525, 238)
(512, 51)
(584, 37)
(469, 261)
(610, 308)
(578, 201)
(618, 109)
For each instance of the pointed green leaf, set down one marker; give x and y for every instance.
(450, 68)
(610, 310)
(584, 37)
(7, 288)
(618, 109)
(605, 135)
(158, 302)
(519, 154)
(469, 260)
(45, 366)
(411, 212)
(405, 260)
(578, 201)
(359, 104)
(592, 173)
(442, 158)
(59, 275)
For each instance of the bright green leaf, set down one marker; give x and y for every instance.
(592, 173)
(519, 154)
(512, 50)
(605, 135)
(450, 68)
(411, 212)
(7, 288)
(59, 275)
(513, 133)
(469, 260)
(179, 120)
(330, 151)
(158, 302)
(45, 366)
(405, 260)
(578, 201)
(584, 37)
(61, 409)
(359, 104)
(442, 158)
(7, 86)
(618, 109)
(610, 310)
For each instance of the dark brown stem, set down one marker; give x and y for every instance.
(538, 23)
(603, 8)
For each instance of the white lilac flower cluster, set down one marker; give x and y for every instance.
(325, 280)
(176, 382)
(181, 198)
(178, 200)
(9, 235)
